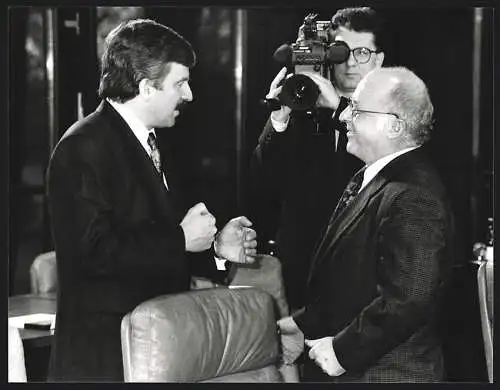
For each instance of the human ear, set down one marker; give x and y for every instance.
(397, 128)
(379, 59)
(145, 88)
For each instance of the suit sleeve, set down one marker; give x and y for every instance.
(203, 264)
(89, 224)
(268, 180)
(270, 157)
(412, 257)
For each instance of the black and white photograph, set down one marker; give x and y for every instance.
(250, 193)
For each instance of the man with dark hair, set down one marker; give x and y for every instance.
(382, 266)
(121, 232)
(300, 165)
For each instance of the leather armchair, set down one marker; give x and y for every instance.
(43, 273)
(265, 273)
(209, 335)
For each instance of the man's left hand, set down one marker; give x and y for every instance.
(236, 242)
(324, 356)
(292, 340)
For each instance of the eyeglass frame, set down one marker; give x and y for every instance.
(354, 111)
(370, 51)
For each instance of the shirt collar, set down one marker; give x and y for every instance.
(139, 129)
(374, 168)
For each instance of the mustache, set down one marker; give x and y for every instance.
(181, 105)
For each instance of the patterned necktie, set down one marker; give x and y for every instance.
(155, 152)
(350, 192)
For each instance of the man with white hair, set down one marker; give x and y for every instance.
(379, 272)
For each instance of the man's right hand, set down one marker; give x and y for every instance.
(283, 113)
(328, 96)
(199, 228)
(292, 339)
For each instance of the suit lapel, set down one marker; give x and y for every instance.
(345, 219)
(351, 213)
(140, 162)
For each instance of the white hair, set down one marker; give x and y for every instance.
(409, 98)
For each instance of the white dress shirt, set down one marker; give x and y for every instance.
(374, 168)
(140, 131)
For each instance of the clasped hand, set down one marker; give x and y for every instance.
(199, 228)
(292, 340)
(321, 352)
(324, 356)
(236, 242)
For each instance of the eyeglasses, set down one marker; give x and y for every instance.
(362, 54)
(355, 112)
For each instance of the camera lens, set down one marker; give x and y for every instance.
(299, 92)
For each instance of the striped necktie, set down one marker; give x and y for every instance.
(155, 152)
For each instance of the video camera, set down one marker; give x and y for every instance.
(310, 53)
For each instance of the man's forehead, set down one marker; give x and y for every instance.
(372, 86)
(353, 38)
(178, 71)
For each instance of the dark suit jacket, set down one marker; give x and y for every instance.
(378, 277)
(118, 241)
(297, 179)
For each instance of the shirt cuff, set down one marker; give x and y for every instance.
(337, 368)
(278, 125)
(220, 264)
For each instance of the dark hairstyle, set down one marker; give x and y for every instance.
(360, 19)
(138, 49)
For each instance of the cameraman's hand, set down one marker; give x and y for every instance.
(199, 228)
(328, 97)
(300, 34)
(283, 113)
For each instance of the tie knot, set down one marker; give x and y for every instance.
(356, 181)
(152, 140)
(349, 193)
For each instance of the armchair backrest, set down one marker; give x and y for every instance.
(265, 274)
(43, 273)
(216, 334)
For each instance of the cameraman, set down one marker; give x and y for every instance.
(300, 165)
